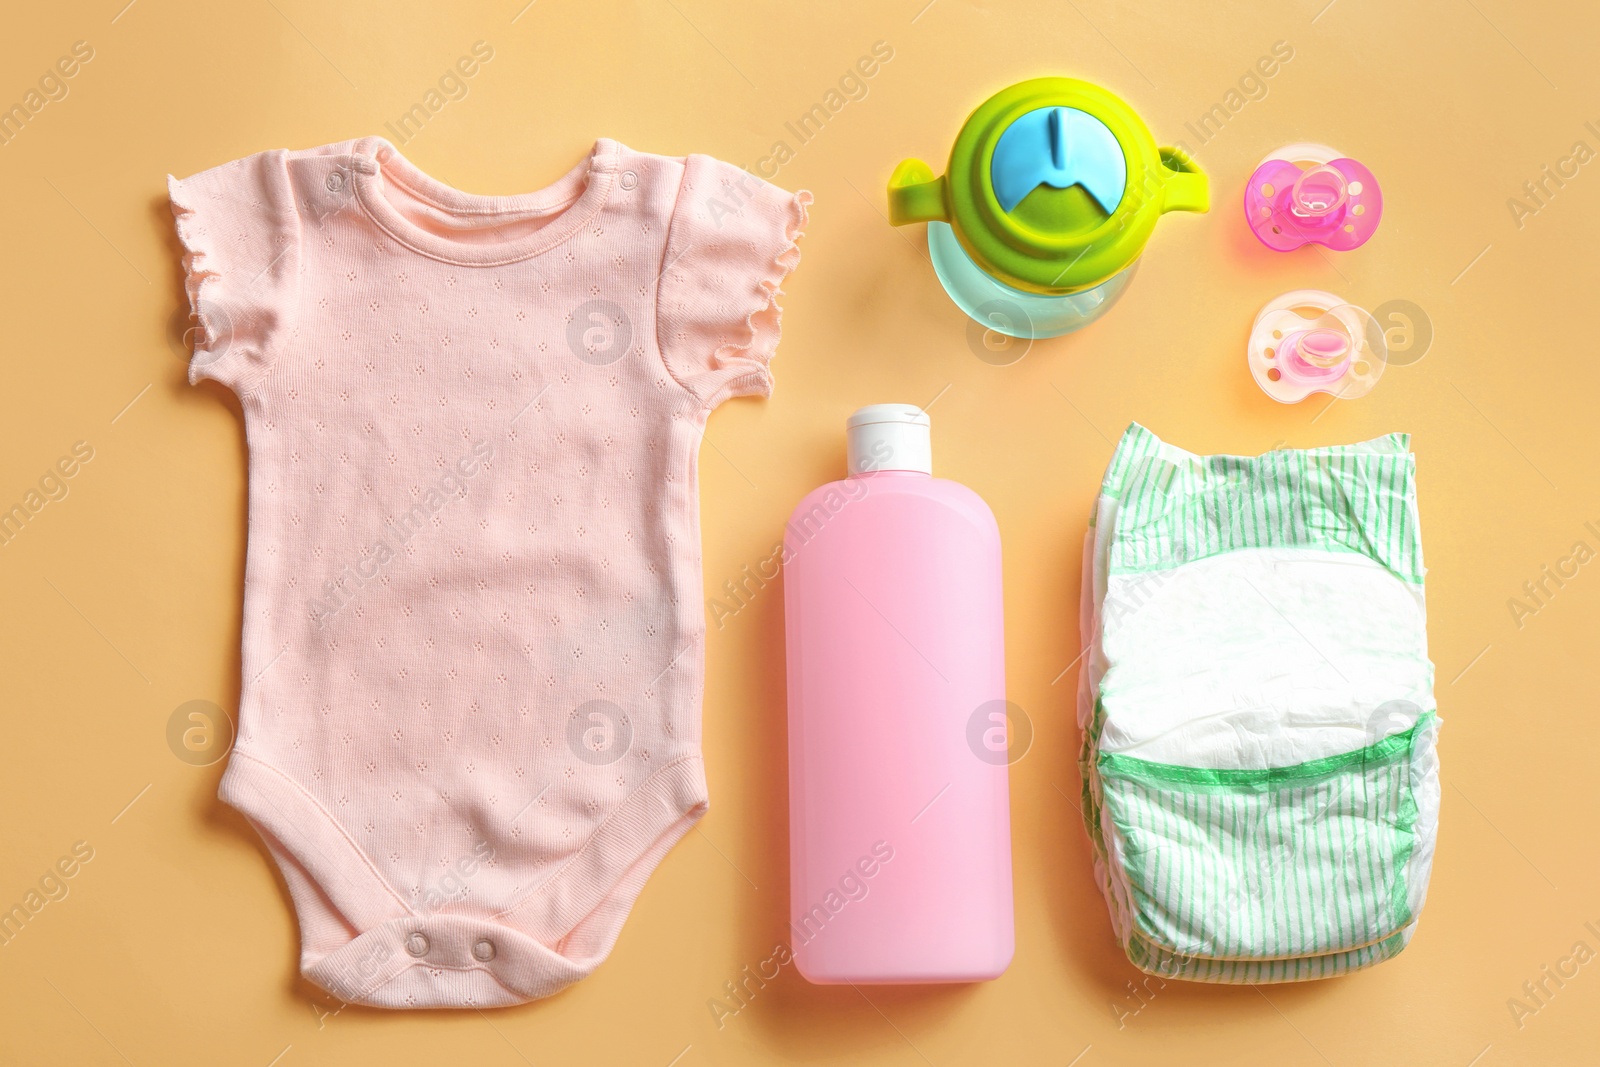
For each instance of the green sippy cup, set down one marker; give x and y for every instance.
(1053, 187)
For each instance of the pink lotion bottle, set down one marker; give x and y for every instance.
(899, 809)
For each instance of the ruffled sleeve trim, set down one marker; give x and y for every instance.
(240, 239)
(763, 326)
(732, 243)
(199, 279)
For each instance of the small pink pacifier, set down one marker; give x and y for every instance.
(1310, 193)
(1309, 341)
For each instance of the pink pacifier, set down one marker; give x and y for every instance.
(1309, 341)
(1310, 193)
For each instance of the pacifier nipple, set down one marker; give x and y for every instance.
(1304, 194)
(1309, 342)
(1319, 355)
(1318, 192)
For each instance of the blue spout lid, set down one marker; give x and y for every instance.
(1060, 147)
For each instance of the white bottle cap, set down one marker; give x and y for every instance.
(889, 437)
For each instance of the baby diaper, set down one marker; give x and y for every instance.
(1260, 780)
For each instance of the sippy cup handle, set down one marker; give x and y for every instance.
(1186, 187)
(915, 195)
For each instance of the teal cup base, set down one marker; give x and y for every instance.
(1014, 312)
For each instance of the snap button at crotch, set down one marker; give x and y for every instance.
(454, 941)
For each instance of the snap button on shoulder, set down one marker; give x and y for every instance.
(629, 179)
(417, 943)
(483, 950)
(335, 182)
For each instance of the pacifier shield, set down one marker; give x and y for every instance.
(1309, 194)
(1310, 341)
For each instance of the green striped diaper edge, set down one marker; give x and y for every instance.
(1175, 507)
(1226, 865)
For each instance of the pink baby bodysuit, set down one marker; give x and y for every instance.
(472, 661)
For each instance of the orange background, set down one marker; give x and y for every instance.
(176, 945)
